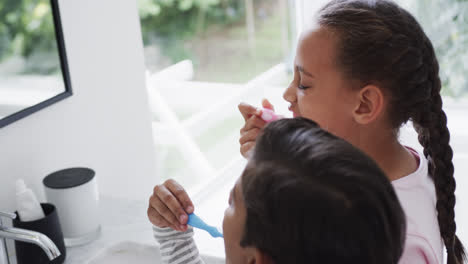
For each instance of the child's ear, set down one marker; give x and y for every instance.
(369, 105)
(255, 256)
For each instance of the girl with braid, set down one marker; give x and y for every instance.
(362, 71)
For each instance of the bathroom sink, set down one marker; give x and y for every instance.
(136, 253)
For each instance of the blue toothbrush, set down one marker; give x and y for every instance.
(195, 221)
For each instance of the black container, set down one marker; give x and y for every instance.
(27, 253)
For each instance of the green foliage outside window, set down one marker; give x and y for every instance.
(446, 23)
(26, 29)
(168, 23)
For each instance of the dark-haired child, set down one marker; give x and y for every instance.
(305, 196)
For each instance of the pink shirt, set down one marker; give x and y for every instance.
(417, 196)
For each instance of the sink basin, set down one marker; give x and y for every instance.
(136, 253)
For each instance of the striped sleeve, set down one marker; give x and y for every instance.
(177, 247)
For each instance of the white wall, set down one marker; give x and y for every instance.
(105, 125)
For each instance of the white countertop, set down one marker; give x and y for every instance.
(124, 220)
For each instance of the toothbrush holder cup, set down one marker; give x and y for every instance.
(27, 253)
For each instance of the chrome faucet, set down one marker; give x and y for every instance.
(28, 236)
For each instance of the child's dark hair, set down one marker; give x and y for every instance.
(381, 43)
(312, 197)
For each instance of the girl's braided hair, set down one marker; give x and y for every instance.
(381, 43)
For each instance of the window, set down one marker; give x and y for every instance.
(446, 24)
(203, 58)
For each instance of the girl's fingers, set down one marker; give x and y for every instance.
(267, 104)
(250, 135)
(253, 122)
(246, 149)
(247, 110)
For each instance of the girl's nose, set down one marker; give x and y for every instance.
(290, 93)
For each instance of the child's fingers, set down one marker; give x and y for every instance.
(179, 192)
(250, 135)
(183, 228)
(175, 213)
(247, 110)
(246, 149)
(267, 104)
(253, 122)
(166, 214)
(156, 218)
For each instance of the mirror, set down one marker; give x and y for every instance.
(33, 66)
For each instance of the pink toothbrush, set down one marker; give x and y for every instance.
(269, 115)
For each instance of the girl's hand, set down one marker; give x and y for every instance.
(253, 125)
(169, 206)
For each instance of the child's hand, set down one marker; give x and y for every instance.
(169, 206)
(253, 125)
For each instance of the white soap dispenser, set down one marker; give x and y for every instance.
(29, 209)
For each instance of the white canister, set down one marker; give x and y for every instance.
(74, 193)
